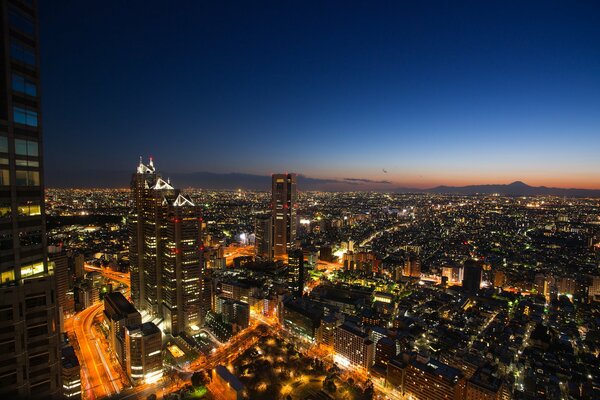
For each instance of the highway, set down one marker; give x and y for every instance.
(101, 376)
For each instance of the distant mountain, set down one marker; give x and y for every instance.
(517, 188)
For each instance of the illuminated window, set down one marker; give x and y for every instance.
(26, 163)
(5, 210)
(29, 210)
(32, 269)
(7, 276)
(4, 177)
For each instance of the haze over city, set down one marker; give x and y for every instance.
(433, 93)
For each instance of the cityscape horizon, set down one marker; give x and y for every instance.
(413, 212)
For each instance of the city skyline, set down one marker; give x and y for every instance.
(413, 213)
(433, 94)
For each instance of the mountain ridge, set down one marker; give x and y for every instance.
(516, 188)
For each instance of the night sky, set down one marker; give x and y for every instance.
(432, 92)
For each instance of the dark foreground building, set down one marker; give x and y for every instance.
(30, 361)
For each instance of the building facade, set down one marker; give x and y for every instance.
(353, 347)
(283, 205)
(143, 346)
(263, 230)
(29, 320)
(295, 279)
(166, 252)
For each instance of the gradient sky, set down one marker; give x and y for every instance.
(433, 92)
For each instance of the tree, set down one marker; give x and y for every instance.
(199, 378)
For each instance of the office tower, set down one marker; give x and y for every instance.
(412, 267)
(472, 273)
(79, 262)
(594, 288)
(29, 323)
(302, 317)
(143, 345)
(385, 350)
(119, 313)
(296, 272)
(59, 263)
(283, 205)
(166, 251)
(263, 230)
(182, 267)
(427, 378)
(353, 347)
(566, 285)
(71, 373)
(454, 274)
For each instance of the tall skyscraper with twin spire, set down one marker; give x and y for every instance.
(166, 252)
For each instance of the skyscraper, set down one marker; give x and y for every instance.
(182, 266)
(296, 272)
(472, 276)
(283, 205)
(29, 323)
(263, 231)
(166, 248)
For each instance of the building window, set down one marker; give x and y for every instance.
(30, 238)
(5, 209)
(7, 276)
(23, 85)
(26, 148)
(21, 53)
(4, 177)
(25, 116)
(29, 209)
(20, 22)
(28, 178)
(25, 163)
(32, 269)
(3, 144)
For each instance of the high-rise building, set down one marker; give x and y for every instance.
(427, 378)
(59, 263)
(71, 373)
(263, 231)
(182, 266)
(412, 267)
(29, 322)
(78, 262)
(472, 274)
(166, 249)
(119, 313)
(296, 272)
(353, 347)
(283, 206)
(143, 345)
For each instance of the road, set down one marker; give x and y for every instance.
(101, 376)
(234, 251)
